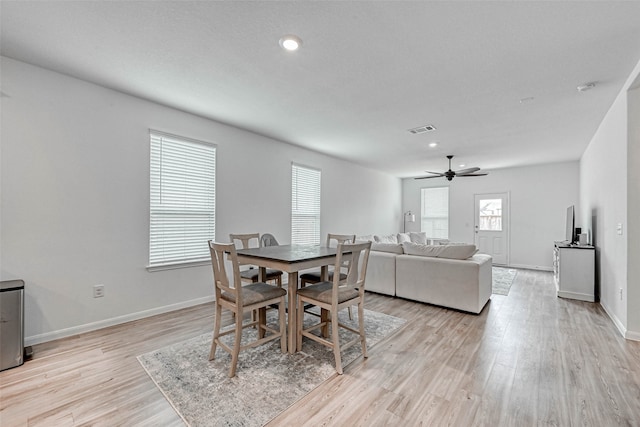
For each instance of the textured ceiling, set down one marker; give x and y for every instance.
(366, 73)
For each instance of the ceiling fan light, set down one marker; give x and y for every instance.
(585, 87)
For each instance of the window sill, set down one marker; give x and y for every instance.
(174, 266)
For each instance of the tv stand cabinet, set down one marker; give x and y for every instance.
(574, 271)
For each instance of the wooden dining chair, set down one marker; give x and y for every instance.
(334, 296)
(332, 240)
(316, 276)
(268, 240)
(231, 295)
(251, 275)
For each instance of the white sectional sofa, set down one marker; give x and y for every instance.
(426, 273)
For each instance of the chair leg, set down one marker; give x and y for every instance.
(363, 337)
(324, 318)
(335, 337)
(236, 346)
(216, 331)
(283, 326)
(262, 320)
(300, 323)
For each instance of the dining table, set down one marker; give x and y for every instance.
(290, 259)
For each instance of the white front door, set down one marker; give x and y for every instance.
(492, 226)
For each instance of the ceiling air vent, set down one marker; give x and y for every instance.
(422, 129)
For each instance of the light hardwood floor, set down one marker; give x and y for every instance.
(529, 358)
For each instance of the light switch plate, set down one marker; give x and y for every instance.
(619, 228)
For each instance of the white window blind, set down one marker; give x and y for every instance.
(183, 198)
(305, 205)
(435, 212)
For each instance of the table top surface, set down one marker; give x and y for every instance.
(289, 253)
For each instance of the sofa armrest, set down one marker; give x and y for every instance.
(381, 273)
(460, 284)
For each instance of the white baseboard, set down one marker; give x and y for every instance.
(576, 296)
(618, 324)
(88, 327)
(631, 335)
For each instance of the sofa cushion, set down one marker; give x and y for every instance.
(440, 242)
(458, 251)
(389, 238)
(367, 238)
(440, 251)
(420, 238)
(394, 248)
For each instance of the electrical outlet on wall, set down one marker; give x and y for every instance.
(98, 291)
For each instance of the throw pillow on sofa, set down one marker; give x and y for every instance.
(440, 251)
(420, 238)
(367, 238)
(403, 237)
(443, 242)
(389, 238)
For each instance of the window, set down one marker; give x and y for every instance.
(305, 205)
(183, 200)
(490, 213)
(435, 212)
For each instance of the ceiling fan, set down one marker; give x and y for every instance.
(450, 174)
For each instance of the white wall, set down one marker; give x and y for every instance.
(539, 197)
(608, 175)
(75, 199)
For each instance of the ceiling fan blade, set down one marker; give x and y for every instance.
(427, 177)
(466, 171)
(435, 173)
(473, 174)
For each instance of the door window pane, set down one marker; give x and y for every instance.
(490, 215)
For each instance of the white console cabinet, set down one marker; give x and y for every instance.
(574, 271)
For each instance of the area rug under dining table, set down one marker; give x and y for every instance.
(267, 381)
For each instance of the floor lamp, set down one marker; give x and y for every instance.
(408, 217)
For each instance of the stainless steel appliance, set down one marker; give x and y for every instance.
(11, 324)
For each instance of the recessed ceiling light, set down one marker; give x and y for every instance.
(462, 165)
(433, 144)
(290, 42)
(586, 86)
(527, 100)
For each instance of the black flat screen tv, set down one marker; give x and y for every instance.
(570, 235)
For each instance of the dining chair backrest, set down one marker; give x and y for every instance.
(334, 239)
(245, 241)
(221, 254)
(268, 240)
(354, 257)
(251, 240)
